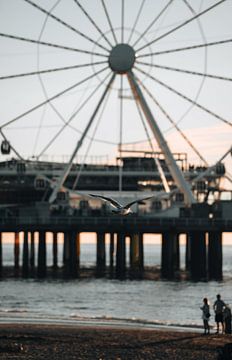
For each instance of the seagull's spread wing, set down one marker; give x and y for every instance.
(112, 201)
(136, 201)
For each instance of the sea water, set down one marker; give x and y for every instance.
(137, 302)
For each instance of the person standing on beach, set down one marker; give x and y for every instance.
(205, 315)
(219, 306)
(227, 319)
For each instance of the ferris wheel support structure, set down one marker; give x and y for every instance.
(170, 161)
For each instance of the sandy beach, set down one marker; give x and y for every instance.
(36, 341)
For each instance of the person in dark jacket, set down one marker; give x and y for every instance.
(227, 319)
(219, 306)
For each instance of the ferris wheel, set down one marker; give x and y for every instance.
(95, 76)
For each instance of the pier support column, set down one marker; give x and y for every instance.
(121, 256)
(0, 253)
(101, 254)
(55, 251)
(25, 267)
(74, 269)
(136, 253)
(32, 251)
(78, 250)
(197, 246)
(16, 251)
(66, 253)
(111, 254)
(187, 253)
(170, 257)
(42, 254)
(215, 255)
(70, 256)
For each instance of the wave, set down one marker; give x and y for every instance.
(134, 321)
(14, 310)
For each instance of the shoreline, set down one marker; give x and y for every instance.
(100, 322)
(49, 341)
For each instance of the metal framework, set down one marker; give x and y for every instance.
(120, 53)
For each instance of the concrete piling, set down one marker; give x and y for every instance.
(136, 253)
(32, 251)
(111, 249)
(101, 254)
(215, 255)
(121, 256)
(0, 253)
(197, 244)
(55, 251)
(41, 270)
(16, 250)
(25, 267)
(169, 255)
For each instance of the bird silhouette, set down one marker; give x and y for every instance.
(119, 208)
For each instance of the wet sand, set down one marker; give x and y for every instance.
(29, 341)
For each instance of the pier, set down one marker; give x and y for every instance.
(203, 253)
(27, 212)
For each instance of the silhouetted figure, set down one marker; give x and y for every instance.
(205, 316)
(227, 319)
(219, 306)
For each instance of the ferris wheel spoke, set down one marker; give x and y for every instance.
(221, 42)
(50, 99)
(91, 139)
(109, 21)
(185, 71)
(185, 97)
(38, 130)
(153, 22)
(181, 25)
(136, 21)
(65, 24)
(50, 44)
(80, 142)
(122, 20)
(51, 70)
(92, 22)
(120, 134)
(172, 121)
(67, 123)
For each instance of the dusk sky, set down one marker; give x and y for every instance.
(31, 134)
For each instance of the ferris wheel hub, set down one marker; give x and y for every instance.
(122, 58)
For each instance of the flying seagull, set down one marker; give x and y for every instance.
(120, 209)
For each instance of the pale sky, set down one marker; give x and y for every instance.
(30, 134)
